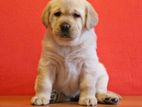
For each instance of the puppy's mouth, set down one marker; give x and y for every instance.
(66, 36)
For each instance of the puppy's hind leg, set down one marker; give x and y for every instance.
(104, 96)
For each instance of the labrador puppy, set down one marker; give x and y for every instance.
(69, 63)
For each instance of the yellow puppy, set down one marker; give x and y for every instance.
(69, 63)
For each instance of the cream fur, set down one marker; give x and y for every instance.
(71, 65)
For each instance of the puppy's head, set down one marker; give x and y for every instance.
(68, 19)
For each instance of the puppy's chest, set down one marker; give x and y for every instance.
(72, 61)
(73, 65)
(69, 71)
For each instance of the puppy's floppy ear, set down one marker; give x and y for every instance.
(45, 15)
(91, 16)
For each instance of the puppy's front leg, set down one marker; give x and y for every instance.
(43, 86)
(87, 89)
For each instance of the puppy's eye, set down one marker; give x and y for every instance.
(76, 15)
(57, 14)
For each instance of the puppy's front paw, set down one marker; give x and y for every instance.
(40, 100)
(88, 101)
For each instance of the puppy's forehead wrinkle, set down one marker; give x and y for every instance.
(68, 3)
(68, 7)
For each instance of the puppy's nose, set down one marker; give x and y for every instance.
(65, 27)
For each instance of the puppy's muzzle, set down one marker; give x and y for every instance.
(65, 29)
